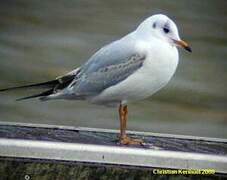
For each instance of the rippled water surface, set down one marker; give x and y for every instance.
(40, 40)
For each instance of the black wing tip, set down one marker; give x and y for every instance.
(50, 85)
(41, 95)
(21, 99)
(27, 98)
(47, 84)
(8, 89)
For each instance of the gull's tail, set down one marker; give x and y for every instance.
(50, 86)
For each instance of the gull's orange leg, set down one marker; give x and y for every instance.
(123, 116)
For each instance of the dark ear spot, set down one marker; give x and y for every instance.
(166, 28)
(154, 25)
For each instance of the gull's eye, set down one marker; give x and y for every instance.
(166, 30)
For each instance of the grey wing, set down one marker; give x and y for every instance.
(105, 69)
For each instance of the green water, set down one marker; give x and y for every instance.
(40, 40)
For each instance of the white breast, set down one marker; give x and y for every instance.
(157, 70)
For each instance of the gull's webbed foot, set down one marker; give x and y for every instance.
(127, 141)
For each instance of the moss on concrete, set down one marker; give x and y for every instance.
(27, 170)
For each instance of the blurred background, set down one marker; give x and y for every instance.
(40, 40)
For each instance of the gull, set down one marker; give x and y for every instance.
(126, 70)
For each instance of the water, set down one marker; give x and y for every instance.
(40, 40)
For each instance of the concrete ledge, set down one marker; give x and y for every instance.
(99, 146)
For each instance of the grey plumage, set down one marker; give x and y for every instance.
(109, 66)
(93, 83)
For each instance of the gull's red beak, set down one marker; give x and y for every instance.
(183, 44)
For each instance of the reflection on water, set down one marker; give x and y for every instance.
(40, 40)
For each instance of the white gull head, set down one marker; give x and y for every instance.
(163, 28)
